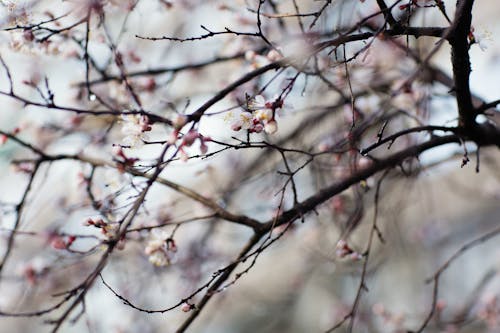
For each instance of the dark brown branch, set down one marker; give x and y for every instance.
(195, 116)
(328, 192)
(209, 34)
(458, 38)
(95, 113)
(391, 138)
(387, 12)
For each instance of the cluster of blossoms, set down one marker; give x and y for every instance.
(159, 249)
(257, 60)
(107, 229)
(134, 130)
(60, 242)
(259, 117)
(344, 250)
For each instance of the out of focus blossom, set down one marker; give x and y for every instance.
(134, 128)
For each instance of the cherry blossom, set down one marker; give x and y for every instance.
(133, 130)
(159, 248)
(482, 38)
(271, 127)
(189, 138)
(259, 117)
(257, 60)
(186, 307)
(240, 120)
(343, 250)
(159, 258)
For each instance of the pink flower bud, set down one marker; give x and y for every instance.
(70, 241)
(30, 274)
(440, 304)
(88, 222)
(190, 137)
(28, 35)
(203, 148)
(58, 243)
(257, 128)
(186, 307)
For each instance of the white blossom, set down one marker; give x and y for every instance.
(157, 249)
(271, 127)
(240, 120)
(159, 258)
(482, 38)
(133, 130)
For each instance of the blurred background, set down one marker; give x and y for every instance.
(299, 284)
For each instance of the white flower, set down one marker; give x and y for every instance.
(482, 38)
(133, 130)
(240, 120)
(159, 258)
(157, 249)
(271, 127)
(154, 245)
(260, 118)
(264, 114)
(258, 103)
